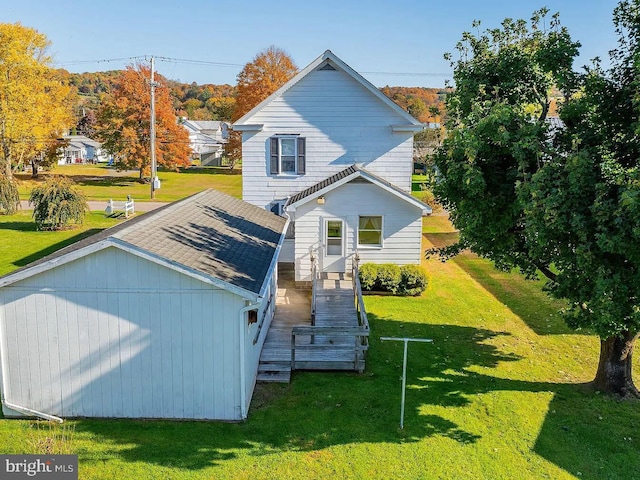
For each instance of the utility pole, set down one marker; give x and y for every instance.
(155, 183)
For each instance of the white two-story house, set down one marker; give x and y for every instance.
(333, 153)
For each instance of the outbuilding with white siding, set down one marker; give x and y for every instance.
(163, 316)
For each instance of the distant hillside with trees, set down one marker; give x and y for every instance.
(217, 102)
(425, 104)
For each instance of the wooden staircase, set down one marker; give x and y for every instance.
(293, 307)
(336, 338)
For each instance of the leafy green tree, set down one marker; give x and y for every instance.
(561, 201)
(56, 203)
(497, 133)
(583, 206)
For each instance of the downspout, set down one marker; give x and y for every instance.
(243, 366)
(3, 389)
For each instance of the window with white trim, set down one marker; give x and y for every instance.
(287, 155)
(370, 231)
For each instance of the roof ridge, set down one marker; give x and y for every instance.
(343, 66)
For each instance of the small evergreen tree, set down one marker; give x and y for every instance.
(56, 203)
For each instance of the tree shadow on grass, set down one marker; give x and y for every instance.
(51, 248)
(319, 410)
(19, 226)
(541, 315)
(211, 171)
(95, 181)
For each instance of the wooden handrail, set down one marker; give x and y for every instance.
(363, 321)
(314, 286)
(333, 331)
(264, 316)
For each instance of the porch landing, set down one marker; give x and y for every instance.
(331, 347)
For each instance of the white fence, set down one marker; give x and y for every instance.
(127, 207)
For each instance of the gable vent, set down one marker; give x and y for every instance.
(327, 66)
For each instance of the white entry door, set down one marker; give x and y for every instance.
(333, 258)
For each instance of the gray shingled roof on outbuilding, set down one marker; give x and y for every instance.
(212, 233)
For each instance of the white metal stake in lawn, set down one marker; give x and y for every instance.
(404, 366)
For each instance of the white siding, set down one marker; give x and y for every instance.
(287, 253)
(114, 335)
(343, 123)
(402, 226)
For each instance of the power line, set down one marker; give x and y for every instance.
(233, 65)
(409, 74)
(198, 62)
(147, 57)
(104, 60)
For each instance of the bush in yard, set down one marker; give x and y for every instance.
(389, 277)
(368, 274)
(413, 280)
(56, 202)
(9, 197)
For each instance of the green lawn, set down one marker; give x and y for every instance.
(500, 394)
(21, 243)
(100, 182)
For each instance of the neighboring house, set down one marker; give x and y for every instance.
(81, 149)
(333, 153)
(163, 316)
(207, 139)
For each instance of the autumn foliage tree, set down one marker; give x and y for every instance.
(269, 70)
(35, 103)
(124, 123)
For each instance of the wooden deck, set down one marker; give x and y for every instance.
(333, 341)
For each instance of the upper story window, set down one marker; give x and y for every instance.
(287, 155)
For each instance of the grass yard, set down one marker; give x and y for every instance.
(22, 244)
(99, 182)
(500, 394)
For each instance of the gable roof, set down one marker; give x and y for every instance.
(78, 140)
(329, 58)
(212, 236)
(348, 175)
(204, 124)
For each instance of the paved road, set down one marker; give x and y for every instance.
(101, 205)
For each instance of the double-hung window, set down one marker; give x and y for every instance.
(287, 155)
(370, 231)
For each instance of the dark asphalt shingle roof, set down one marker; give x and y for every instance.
(323, 184)
(210, 232)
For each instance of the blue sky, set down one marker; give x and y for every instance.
(401, 37)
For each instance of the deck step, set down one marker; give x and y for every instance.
(275, 372)
(274, 367)
(274, 377)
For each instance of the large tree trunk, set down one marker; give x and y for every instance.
(614, 367)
